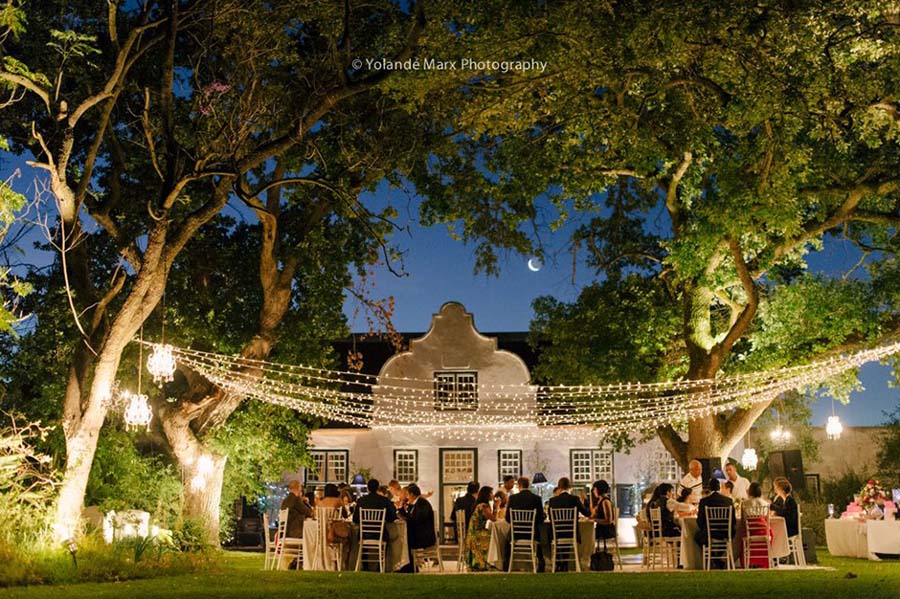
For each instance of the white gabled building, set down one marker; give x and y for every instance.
(447, 365)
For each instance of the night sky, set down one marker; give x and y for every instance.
(440, 269)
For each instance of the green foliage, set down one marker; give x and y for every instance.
(26, 482)
(841, 491)
(889, 449)
(128, 477)
(95, 561)
(189, 536)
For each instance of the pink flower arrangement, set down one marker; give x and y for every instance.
(872, 493)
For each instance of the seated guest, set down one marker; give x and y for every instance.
(693, 480)
(466, 503)
(564, 499)
(375, 501)
(754, 495)
(786, 506)
(509, 484)
(478, 537)
(755, 526)
(419, 515)
(714, 499)
(683, 505)
(398, 494)
(348, 503)
(602, 511)
(500, 500)
(384, 491)
(526, 500)
(663, 499)
(728, 490)
(298, 509)
(331, 497)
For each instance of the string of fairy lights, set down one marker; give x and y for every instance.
(504, 411)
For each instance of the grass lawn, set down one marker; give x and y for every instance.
(239, 576)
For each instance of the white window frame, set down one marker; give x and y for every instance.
(406, 466)
(589, 465)
(509, 462)
(667, 469)
(317, 476)
(456, 390)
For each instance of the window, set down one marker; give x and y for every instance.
(329, 466)
(406, 465)
(666, 466)
(455, 390)
(588, 465)
(509, 462)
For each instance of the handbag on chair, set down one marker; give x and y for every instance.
(602, 561)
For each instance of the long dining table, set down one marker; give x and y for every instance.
(396, 557)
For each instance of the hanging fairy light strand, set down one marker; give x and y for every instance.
(506, 410)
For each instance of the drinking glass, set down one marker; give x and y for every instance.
(831, 510)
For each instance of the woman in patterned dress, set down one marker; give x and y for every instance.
(478, 538)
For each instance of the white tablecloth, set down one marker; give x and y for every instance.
(397, 547)
(692, 553)
(883, 537)
(851, 537)
(846, 537)
(499, 545)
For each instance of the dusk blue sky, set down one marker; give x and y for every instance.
(440, 269)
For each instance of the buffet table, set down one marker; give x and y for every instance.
(851, 537)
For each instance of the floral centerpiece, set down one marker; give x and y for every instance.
(871, 494)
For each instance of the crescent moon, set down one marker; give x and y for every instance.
(534, 265)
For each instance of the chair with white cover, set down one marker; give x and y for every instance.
(461, 540)
(663, 550)
(564, 546)
(327, 553)
(270, 561)
(795, 545)
(371, 537)
(286, 547)
(718, 535)
(523, 540)
(757, 545)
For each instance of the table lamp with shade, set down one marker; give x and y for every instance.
(359, 483)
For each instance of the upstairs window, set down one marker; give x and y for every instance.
(456, 390)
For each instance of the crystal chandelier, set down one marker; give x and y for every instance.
(749, 459)
(137, 411)
(780, 434)
(834, 428)
(161, 363)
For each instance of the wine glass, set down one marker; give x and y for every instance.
(831, 510)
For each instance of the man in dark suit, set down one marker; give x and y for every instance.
(466, 503)
(564, 499)
(526, 500)
(714, 499)
(419, 517)
(298, 510)
(374, 501)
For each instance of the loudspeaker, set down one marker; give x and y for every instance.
(712, 468)
(789, 464)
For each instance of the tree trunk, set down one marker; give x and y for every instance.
(202, 470)
(81, 444)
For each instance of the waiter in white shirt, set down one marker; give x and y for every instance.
(740, 483)
(693, 480)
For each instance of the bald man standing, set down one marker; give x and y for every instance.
(693, 480)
